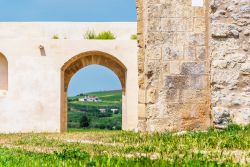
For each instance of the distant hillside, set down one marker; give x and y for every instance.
(109, 100)
(113, 95)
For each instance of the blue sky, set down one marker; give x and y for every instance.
(92, 78)
(67, 10)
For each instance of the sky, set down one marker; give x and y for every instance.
(68, 10)
(92, 78)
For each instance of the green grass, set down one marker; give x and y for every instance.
(230, 147)
(133, 37)
(75, 157)
(105, 35)
(56, 37)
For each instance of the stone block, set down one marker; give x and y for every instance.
(167, 11)
(201, 53)
(176, 24)
(162, 125)
(166, 67)
(199, 12)
(241, 116)
(175, 67)
(199, 25)
(142, 127)
(141, 111)
(222, 64)
(151, 95)
(179, 10)
(194, 96)
(152, 111)
(155, 38)
(154, 25)
(224, 30)
(245, 68)
(187, 11)
(196, 39)
(141, 82)
(180, 38)
(154, 10)
(225, 45)
(152, 68)
(225, 77)
(177, 82)
(172, 95)
(168, 24)
(193, 68)
(168, 38)
(199, 82)
(188, 25)
(142, 97)
(195, 117)
(236, 57)
(154, 52)
(221, 116)
(170, 52)
(190, 53)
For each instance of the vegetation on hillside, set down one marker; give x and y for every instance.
(89, 113)
(230, 147)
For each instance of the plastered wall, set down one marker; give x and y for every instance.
(33, 101)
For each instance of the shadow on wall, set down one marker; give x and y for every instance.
(3, 73)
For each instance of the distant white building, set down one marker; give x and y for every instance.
(102, 110)
(90, 99)
(114, 110)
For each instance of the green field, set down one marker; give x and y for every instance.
(103, 148)
(108, 120)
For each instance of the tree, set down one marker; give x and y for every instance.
(84, 122)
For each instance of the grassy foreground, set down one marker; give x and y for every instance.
(118, 148)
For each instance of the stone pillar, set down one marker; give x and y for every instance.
(141, 58)
(173, 66)
(230, 61)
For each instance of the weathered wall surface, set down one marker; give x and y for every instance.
(230, 61)
(193, 64)
(173, 66)
(32, 102)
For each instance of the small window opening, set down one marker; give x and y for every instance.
(197, 3)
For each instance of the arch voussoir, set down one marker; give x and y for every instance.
(83, 60)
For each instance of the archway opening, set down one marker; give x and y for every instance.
(81, 61)
(3, 73)
(95, 99)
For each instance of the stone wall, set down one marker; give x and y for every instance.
(230, 61)
(173, 66)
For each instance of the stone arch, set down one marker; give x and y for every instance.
(85, 59)
(3, 73)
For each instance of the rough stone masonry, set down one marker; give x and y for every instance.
(194, 69)
(230, 61)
